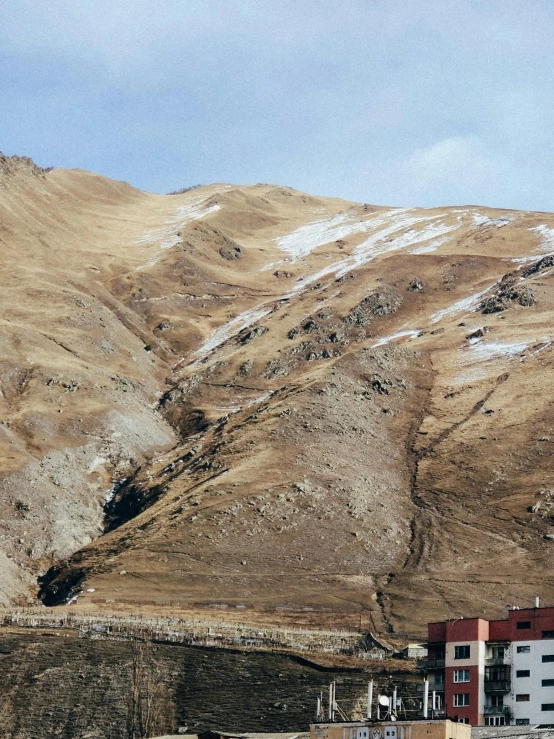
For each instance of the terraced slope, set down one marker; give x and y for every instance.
(314, 410)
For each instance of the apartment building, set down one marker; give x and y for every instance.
(493, 673)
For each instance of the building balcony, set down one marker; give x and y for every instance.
(497, 686)
(436, 687)
(437, 713)
(497, 661)
(430, 664)
(497, 710)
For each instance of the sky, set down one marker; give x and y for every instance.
(391, 102)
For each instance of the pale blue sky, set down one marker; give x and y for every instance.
(398, 102)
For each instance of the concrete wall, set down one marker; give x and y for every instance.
(532, 685)
(476, 665)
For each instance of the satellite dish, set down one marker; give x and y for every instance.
(384, 700)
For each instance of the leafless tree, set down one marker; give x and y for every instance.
(150, 708)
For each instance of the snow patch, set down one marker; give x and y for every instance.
(223, 333)
(482, 221)
(168, 236)
(393, 230)
(431, 246)
(492, 349)
(547, 237)
(110, 494)
(96, 463)
(305, 239)
(464, 305)
(412, 333)
(261, 399)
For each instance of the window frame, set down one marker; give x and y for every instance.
(458, 649)
(523, 625)
(464, 671)
(464, 700)
(523, 649)
(523, 697)
(527, 673)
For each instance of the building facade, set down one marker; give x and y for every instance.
(493, 673)
(390, 730)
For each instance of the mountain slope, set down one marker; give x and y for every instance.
(316, 411)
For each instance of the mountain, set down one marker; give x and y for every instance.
(291, 408)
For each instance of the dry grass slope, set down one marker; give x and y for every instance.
(315, 411)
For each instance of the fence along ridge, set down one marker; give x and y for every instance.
(197, 632)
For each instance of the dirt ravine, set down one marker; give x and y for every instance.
(289, 408)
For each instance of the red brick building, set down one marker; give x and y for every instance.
(494, 672)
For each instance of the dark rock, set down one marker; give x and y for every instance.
(246, 368)
(478, 333)
(416, 285)
(164, 326)
(380, 384)
(309, 327)
(230, 252)
(543, 263)
(508, 291)
(378, 304)
(248, 335)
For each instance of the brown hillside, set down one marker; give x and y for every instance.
(310, 409)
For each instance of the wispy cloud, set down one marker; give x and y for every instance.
(398, 102)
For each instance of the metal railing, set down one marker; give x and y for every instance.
(498, 661)
(498, 710)
(497, 686)
(436, 687)
(430, 664)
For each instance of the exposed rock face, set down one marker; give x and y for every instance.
(14, 169)
(509, 291)
(318, 431)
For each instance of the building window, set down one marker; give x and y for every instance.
(461, 652)
(524, 649)
(522, 697)
(548, 657)
(461, 699)
(523, 673)
(461, 676)
(547, 707)
(498, 652)
(463, 720)
(494, 721)
(548, 634)
(497, 674)
(522, 722)
(523, 625)
(547, 683)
